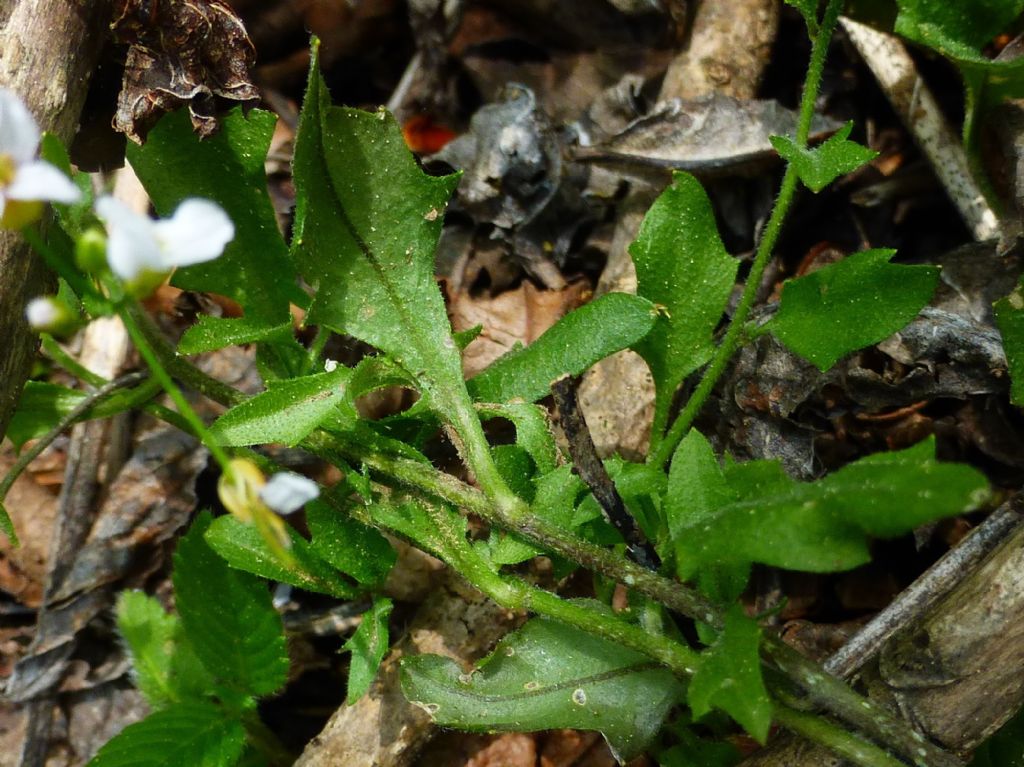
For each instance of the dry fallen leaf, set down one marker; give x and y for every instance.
(181, 53)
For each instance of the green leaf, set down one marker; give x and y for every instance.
(212, 333)
(956, 28)
(1009, 316)
(533, 432)
(42, 406)
(846, 306)
(729, 677)
(242, 547)
(348, 545)
(367, 222)
(227, 168)
(822, 526)
(288, 411)
(683, 268)
(196, 734)
(368, 646)
(820, 166)
(548, 675)
(228, 617)
(570, 346)
(150, 633)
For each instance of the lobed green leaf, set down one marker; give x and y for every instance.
(242, 547)
(729, 677)
(570, 346)
(548, 675)
(819, 166)
(756, 513)
(368, 645)
(846, 306)
(173, 164)
(682, 267)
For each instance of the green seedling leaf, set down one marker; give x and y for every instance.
(548, 675)
(242, 646)
(729, 677)
(348, 545)
(196, 734)
(242, 547)
(683, 268)
(533, 432)
(570, 346)
(227, 168)
(212, 333)
(1009, 316)
(846, 306)
(820, 166)
(150, 633)
(288, 411)
(368, 646)
(367, 222)
(823, 526)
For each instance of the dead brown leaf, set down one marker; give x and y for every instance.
(181, 53)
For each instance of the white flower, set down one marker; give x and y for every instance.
(25, 182)
(43, 313)
(285, 492)
(136, 245)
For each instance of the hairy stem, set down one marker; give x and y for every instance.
(734, 335)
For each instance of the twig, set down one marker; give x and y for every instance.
(913, 101)
(591, 470)
(914, 601)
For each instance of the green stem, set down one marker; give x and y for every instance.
(514, 594)
(56, 353)
(153, 361)
(316, 349)
(820, 730)
(734, 334)
(832, 694)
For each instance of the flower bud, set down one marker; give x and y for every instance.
(91, 251)
(239, 490)
(48, 314)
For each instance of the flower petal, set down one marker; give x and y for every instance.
(197, 232)
(39, 180)
(132, 246)
(42, 313)
(19, 134)
(285, 492)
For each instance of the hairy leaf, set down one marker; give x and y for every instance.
(851, 304)
(533, 433)
(196, 734)
(288, 411)
(819, 166)
(683, 268)
(367, 222)
(348, 545)
(150, 633)
(241, 546)
(821, 526)
(548, 675)
(227, 168)
(729, 677)
(368, 646)
(242, 645)
(211, 333)
(570, 346)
